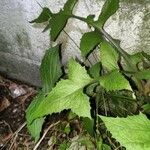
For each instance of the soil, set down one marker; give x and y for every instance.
(15, 97)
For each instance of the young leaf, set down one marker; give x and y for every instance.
(108, 55)
(57, 24)
(132, 132)
(109, 8)
(69, 5)
(36, 126)
(95, 70)
(114, 81)
(45, 15)
(68, 94)
(144, 74)
(89, 41)
(50, 68)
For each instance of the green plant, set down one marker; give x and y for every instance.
(115, 85)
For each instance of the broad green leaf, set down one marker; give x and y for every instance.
(132, 132)
(114, 81)
(69, 5)
(68, 94)
(36, 126)
(45, 15)
(59, 20)
(144, 74)
(88, 125)
(50, 73)
(50, 68)
(95, 70)
(57, 24)
(108, 56)
(89, 41)
(109, 8)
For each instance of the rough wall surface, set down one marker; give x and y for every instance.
(22, 45)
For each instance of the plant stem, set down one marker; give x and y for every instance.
(123, 53)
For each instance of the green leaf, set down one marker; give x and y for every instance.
(132, 132)
(68, 94)
(45, 15)
(90, 18)
(59, 20)
(114, 81)
(89, 41)
(57, 24)
(50, 68)
(144, 74)
(106, 147)
(69, 5)
(146, 108)
(108, 55)
(109, 8)
(136, 58)
(36, 126)
(95, 70)
(88, 125)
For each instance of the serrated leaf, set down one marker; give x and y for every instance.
(108, 56)
(68, 94)
(89, 41)
(132, 132)
(95, 70)
(109, 8)
(144, 74)
(114, 81)
(36, 126)
(43, 17)
(69, 5)
(50, 68)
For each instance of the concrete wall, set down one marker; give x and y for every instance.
(22, 45)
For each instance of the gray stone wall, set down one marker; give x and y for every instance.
(22, 45)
